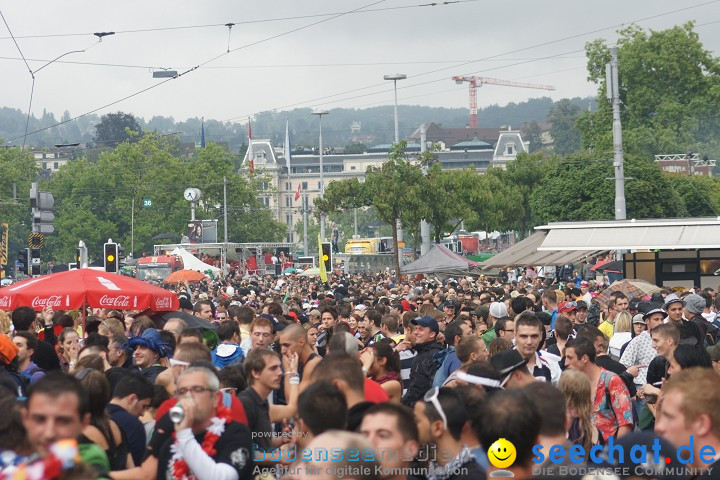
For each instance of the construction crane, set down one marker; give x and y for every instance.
(479, 81)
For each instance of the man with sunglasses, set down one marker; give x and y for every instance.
(440, 418)
(206, 443)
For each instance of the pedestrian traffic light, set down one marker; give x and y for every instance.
(111, 256)
(35, 261)
(23, 261)
(327, 256)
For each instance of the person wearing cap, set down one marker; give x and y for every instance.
(690, 417)
(639, 352)
(496, 311)
(694, 308)
(581, 314)
(691, 332)
(449, 310)
(585, 291)
(512, 368)
(149, 348)
(423, 368)
(568, 309)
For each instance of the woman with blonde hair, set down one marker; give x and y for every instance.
(622, 334)
(575, 387)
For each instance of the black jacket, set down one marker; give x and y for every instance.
(422, 372)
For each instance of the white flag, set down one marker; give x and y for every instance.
(287, 145)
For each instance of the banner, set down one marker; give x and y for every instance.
(4, 241)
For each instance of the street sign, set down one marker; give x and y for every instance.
(36, 240)
(147, 202)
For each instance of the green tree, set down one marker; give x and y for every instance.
(522, 176)
(578, 188)
(94, 200)
(700, 195)
(356, 148)
(563, 116)
(669, 88)
(19, 169)
(532, 133)
(115, 128)
(394, 189)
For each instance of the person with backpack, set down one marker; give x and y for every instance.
(611, 405)
(26, 343)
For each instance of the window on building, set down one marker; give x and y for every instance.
(318, 185)
(288, 186)
(44, 165)
(352, 167)
(510, 149)
(56, 165)
(288, 201)
(304, 186)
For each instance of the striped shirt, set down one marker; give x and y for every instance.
(406, 361)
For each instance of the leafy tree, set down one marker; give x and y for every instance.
(532, 133)
(563, 116)
(577, 187)
(115, 128)
(699, 195)
(394, 189)
(17, 168)
(669, 88)
(94, 200)
(522, 176)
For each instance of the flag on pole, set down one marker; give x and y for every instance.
(287, 145)
(321, 261)
(297, 194)
(250, 153)
(202, 133)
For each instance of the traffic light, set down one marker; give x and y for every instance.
(34, 261)
(42, 204)
(327, 256)
(111, 256)
(23, 261)
(81, 255)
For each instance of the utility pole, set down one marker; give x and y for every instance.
(225, 209)
(425, 244)
(305, 224)
(613, 93)
(132, 229)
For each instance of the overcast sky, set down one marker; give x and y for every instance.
(311, 67)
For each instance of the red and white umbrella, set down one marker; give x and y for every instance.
(97, 289)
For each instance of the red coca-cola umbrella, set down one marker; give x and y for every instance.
(97, 289)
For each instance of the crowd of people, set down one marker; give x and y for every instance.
(363, 377)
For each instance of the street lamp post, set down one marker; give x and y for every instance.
(320, 113)
(395, 77)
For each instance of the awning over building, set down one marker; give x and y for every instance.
(674, 234)
(565, 243)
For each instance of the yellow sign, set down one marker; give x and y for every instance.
(501, 454)
(4, 240)
(401, 244)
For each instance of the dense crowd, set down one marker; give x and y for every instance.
(363, 377)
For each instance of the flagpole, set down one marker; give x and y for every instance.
(288, 186)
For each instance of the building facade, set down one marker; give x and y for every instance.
(282, 189)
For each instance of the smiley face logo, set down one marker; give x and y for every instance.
(502, 453)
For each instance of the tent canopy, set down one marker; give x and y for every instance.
(191, 262)
(438, 259)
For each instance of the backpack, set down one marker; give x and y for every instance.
(27, 376)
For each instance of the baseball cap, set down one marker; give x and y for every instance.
(498, 310)
(566, 307)
(584, 283)
(581, 304)
(638, 318)
(426, 321)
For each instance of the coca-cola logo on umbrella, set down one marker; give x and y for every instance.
(121, 301)
(5, 301)
(161, 303)
(51, 301)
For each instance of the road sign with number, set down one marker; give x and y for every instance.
(147, 202)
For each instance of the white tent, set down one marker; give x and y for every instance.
(191, 262)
